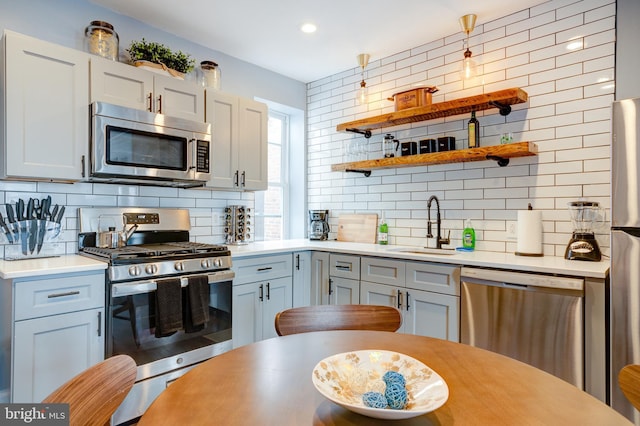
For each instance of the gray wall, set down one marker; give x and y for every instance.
(627, 57)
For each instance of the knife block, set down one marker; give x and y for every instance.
(33, 238)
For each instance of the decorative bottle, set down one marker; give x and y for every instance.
(383, 231)
(474, 131)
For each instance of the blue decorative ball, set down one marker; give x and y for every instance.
(374, 400)
(396, 396)
(394, 377)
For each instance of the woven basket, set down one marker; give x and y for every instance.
(159, 69)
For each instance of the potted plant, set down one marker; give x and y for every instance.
(159, 56)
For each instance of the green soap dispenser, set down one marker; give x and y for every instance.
(468, 236)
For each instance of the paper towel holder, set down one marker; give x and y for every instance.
(517, 253)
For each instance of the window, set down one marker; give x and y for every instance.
(280, 211)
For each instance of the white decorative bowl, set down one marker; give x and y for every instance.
(344, 378)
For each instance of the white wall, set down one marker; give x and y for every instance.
(567, 116)
(63, 22)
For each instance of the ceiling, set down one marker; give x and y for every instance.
(267, 33)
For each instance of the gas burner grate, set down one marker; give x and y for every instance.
(149, 251)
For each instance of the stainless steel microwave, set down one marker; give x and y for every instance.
(139, 147)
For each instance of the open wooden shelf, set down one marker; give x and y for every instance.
(501, 99)
(500, 153)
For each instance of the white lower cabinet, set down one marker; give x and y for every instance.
(57, 330)
(344, 279)
(51, 350)
(301, 278)
(263, 286)
(427, 294)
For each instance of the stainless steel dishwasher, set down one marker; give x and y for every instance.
(537, 319)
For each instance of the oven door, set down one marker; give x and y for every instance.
(131, 327)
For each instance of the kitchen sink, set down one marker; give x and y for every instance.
(423, 250)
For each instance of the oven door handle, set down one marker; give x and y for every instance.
(139, 287)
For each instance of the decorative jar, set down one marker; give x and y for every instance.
(210, 75)
(102, 40)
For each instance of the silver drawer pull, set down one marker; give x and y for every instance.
(69, 293)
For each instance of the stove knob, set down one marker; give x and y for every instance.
(217, 262)
(151, 269)
(134, 271)
(205, 263)
(179, 266)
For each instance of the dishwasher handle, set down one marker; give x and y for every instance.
(518, 279)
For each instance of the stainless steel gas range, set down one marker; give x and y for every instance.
(168, 299)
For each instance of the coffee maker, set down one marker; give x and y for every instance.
(583, 245)
(318, 224)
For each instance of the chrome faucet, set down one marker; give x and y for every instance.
(439, 240)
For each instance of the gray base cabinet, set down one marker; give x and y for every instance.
(57, 331)
(263, 286)
(427, 294)
(344, 280)
(301, 278)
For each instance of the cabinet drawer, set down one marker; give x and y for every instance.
(345, 266)
(435, 277)
(383, 271)
(262, 268)
(57, 295)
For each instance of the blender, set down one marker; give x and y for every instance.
(583, 244)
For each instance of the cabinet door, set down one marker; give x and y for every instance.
(381, 294)
(252, 139)
(178, 98)
(222, 114)
(49, 351)
(121, 84)
(319, 278)
(246, 314)
(343, 291)
(277, 297)
(46, 90)
(301, 278)
(432, 314)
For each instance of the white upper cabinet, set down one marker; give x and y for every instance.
(45, 111)
(129, 86)
(239, 137)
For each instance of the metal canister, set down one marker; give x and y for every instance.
(102, 40)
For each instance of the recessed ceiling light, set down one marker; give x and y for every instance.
(308, 28)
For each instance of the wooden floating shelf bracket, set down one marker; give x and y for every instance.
(366, 173)
(366, 133)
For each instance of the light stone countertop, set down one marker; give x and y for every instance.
(545, 264)
(10, 269)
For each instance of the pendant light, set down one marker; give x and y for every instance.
(469, 67)
(363, 93)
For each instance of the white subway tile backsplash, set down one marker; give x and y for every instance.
(567, 116)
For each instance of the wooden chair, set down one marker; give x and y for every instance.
(337, 317)
(629, 381)
(96, 393)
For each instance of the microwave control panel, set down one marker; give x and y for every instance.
(202, 156)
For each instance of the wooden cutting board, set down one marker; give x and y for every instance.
(358, 228)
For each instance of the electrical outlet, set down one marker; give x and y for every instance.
(512, 232)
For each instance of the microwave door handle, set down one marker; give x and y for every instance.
(192, 166)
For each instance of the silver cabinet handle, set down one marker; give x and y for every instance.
(68, 293)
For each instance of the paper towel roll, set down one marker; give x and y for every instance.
(529, 233)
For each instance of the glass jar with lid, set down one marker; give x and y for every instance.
(210, 75)
(102, 40)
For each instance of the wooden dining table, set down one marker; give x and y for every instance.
(269, 383)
